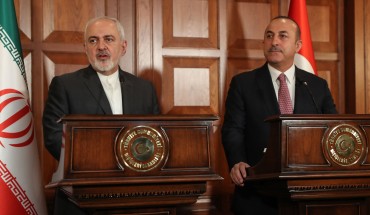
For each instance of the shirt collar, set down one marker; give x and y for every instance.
(289, 73)
(109, 78)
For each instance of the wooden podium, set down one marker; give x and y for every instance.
(317, 164)
(135, 164)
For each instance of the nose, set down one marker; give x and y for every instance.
(275, 40)
(101, 45)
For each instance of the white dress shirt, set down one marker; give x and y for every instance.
(290, 79)
(112, 89)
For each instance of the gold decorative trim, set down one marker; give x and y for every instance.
(344, 145)
(117, 195)
(331, 187)
(141, 148)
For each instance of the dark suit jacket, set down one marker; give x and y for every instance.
(81, 92)
(251, 99)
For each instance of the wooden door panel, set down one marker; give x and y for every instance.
(247, 21)
(323, 16)
(64, 20)
(184, 81)
(191, 23)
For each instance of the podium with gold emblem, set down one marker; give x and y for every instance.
(135, 164)
(317, 164)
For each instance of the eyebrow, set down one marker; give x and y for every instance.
(105, 36)
(280, 32)
(283, 32)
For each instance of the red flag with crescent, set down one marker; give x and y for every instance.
(304, 59)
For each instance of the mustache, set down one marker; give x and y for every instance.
(275, 49)
(101, 53)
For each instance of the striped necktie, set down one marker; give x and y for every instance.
(285, 103)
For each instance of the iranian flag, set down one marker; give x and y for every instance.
(304, 59)
(21, 190)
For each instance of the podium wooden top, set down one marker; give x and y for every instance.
(315, 146)
(126, 149)
(83, 117)
(118, 161)
(319, 117)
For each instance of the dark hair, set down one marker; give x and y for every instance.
(298, 32)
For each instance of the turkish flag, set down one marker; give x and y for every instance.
(304, 59)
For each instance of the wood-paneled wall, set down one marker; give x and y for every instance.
(357, 48)
(189, 49)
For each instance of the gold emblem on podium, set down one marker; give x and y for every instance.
(345, 145)
(141, 149)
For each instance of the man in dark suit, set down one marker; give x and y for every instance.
(253, 97)
(100, 88)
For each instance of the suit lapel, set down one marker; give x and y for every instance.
(267, 91)
(299, 92)
(302, 98)
(93, 83)
(127, 90)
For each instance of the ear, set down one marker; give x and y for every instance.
(124, 47)
(298, 45)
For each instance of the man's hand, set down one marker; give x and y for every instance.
(238, 173)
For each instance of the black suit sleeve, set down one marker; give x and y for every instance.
(328, 106)
(56, 107)
(155, 104)
(312, 95)
(233, 128)
(139, 96)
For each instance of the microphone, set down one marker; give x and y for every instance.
(311, 95)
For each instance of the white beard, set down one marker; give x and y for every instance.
(103, 66)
